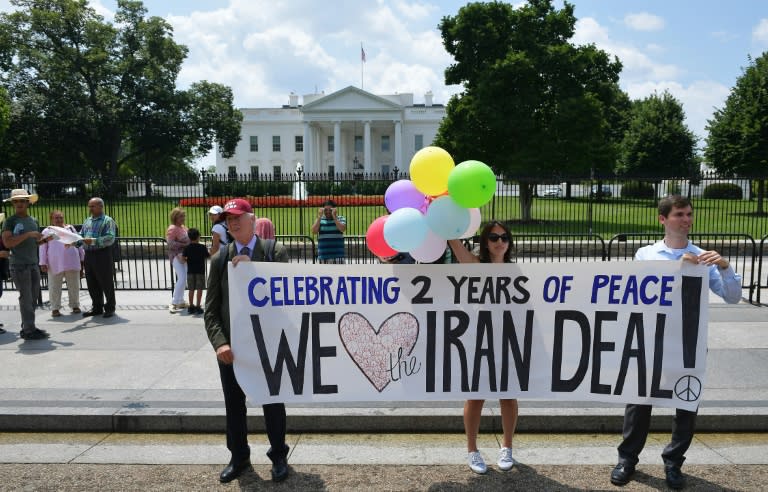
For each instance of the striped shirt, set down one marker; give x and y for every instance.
(102, 229)
(330, 240)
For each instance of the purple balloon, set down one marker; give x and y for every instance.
(402, 194)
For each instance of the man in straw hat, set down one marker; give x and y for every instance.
(21, 234)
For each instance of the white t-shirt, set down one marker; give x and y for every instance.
(221, 231)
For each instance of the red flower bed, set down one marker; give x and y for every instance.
(286, 201)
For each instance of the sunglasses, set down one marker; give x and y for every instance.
(495, 237)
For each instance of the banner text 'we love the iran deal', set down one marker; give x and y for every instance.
(630, 332)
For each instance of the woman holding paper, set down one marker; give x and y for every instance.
(61, 262)
(177, 238)
(494, 248)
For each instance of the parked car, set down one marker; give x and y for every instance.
(604, 192)
(552, 192)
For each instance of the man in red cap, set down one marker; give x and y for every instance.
(245, 247)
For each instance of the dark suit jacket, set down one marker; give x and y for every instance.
(217, 296)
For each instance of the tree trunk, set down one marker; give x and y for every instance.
(526, 200)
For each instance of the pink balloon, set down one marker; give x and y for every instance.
(432, 248)
(474, 223)
(374, 238)
(401, 194)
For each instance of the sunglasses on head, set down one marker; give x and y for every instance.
(495, 237)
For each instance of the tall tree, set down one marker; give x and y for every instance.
(657, 142)
(738, 133)
(534, 105)
(93, 91)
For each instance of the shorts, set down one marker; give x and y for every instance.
(196, 281)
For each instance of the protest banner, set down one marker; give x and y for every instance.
(619, 332)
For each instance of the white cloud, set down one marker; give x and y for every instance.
(644, 22)
(760, 32)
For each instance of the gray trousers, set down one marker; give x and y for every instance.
(27, 281)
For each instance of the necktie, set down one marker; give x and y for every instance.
(246, 251)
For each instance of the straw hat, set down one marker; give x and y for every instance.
(21, 194)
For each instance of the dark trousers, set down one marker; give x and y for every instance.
(637, 422)
(237, 426)
(99, 275)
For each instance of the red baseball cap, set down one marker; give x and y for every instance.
(238, 206)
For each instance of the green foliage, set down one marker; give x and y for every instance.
(248, 188)
(657, 142)
(730, 191)
(637, 189)
(329, 188)
(90, 97)
(533, 104)
(372, 187)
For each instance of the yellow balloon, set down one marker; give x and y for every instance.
(429, 170)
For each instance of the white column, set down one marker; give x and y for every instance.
(399, 146)
(307, 148)
(367, 147)
(337, 146)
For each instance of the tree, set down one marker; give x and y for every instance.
(737, 142)
(92, 95)
(533, 106)
(657, 142)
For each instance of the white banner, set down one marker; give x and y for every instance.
(619, 332)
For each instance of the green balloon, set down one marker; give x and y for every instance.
(471, 184)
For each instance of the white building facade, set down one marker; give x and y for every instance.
(348, 131)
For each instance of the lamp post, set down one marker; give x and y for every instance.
(396, 171)
(300, 195)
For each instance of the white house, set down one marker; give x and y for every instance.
(348, 131)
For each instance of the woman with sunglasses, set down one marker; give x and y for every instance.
(494, 248)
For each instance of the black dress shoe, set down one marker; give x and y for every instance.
(622, 473)
(92, 312)
(234, 470)
(675, 478)
(280, 470)
(109, 314)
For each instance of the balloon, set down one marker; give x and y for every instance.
(374, 238)
(405, 229)
(472, 184)
(401, 194)
(432, 248)
(446, 218)
(474, 223)
(429, 170)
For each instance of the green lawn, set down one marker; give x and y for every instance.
(149, 217)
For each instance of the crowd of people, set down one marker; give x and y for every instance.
(239, 236)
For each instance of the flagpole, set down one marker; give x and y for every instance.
(362, 66)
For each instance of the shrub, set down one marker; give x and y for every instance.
(248, 188)
(637, 189)
(723, 190)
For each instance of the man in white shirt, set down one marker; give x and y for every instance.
(676, 215)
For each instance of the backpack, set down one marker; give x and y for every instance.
(267, 251)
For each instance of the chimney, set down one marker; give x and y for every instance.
(428, 99)
(293, 99)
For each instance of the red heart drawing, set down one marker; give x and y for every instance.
(371, 349)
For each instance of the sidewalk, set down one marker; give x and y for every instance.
(147, 370)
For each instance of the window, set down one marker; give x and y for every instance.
(358, 143)
(419, 142)
(330, 143)
(385, 143)
(232, 173)
(254, 172)
(276, 143)
(276, 171)
(254, 143)
(331, 171)
(299, 143)
(385, 169)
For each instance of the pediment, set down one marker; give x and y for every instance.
(350, 99)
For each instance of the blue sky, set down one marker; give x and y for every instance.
(265, 50)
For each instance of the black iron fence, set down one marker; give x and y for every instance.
(566, 220)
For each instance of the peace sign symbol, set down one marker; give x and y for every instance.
(688, 388)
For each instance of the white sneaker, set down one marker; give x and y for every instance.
(476, 462)
(506, 461)
(173, 308)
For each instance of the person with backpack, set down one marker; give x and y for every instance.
(220, 235)
(246, 246)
